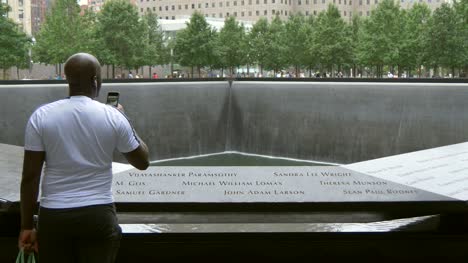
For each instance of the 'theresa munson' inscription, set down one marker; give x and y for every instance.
(259, 184)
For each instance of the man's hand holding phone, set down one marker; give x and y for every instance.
(120, 107)
(113, 98)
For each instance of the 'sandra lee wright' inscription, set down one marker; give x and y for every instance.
(258, 184)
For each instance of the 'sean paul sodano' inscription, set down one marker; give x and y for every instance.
(255, 184)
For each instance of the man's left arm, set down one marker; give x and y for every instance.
(32, 168)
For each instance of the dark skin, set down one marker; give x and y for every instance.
(84, 79)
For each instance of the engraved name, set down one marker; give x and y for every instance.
(272, 192)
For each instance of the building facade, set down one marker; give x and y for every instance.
(96, 5)
(28, 14)
(252, 10)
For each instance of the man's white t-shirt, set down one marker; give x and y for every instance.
(79, 136)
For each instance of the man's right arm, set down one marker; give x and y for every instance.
(139, 157)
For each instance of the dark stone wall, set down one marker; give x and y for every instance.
(347, 122)
(18, 102)
(176, 119)
(323, 121)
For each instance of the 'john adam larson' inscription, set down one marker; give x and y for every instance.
(271, 192)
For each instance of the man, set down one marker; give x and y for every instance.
(75, 138)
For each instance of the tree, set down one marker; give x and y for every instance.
(415, 39)
(120, 32)
(332, 39)
(380, 37)
(95, 44)
(310, 56)
(215, 59)
(62, 34)
(276, 58)
(13, 42)
(194, 44)
(232, 50)
(356, 24)
(461, 12)
(154, 51)
(296, 31)
(88, 35)
(102, 52)
(258, 42)
(443, 32)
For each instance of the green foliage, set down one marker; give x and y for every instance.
(380, 36)
(415, 38)
(310, 56)
(213, 56)
(296, 32)
(121, 34)
(258, 42)
(118, 36)
(232, 44)
(88, 35)
(215, 59)
(194, 44)
(461, 38)
(276, 47)
(332, 38)
(62, 34)
(443, 32)
(356, 25)
(154, 51)
(13, 42)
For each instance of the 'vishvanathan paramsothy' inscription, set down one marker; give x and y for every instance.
(189, 174)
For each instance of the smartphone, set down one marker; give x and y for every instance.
(113, 98)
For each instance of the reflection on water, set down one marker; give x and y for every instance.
(423, 223)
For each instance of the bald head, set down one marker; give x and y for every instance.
(83, 73)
